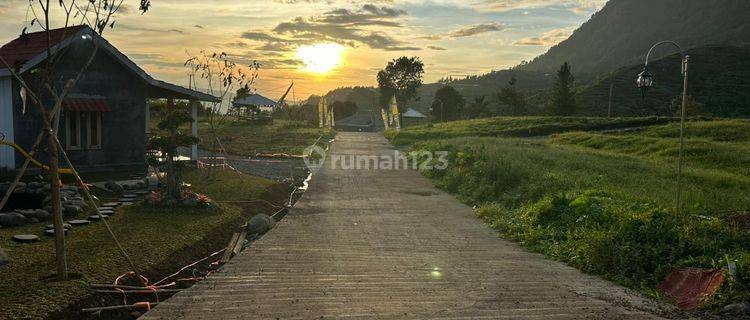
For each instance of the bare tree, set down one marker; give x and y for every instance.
(221, 76)
(46, 88)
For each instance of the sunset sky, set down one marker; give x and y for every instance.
(453, 37)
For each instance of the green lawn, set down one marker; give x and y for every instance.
(605, 203)
(243, 138)
(150, 236)
(515, 127)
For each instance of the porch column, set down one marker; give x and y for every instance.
(148, 119)
(194, 128)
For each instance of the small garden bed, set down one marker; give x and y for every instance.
(159, 241)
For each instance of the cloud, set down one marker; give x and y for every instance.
(577, 6)
(436, 48)
(549, 38)
(145, 29)
(467, 31)
(199, 26)
(361, 27)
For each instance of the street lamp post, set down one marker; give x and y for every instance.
(645, 81)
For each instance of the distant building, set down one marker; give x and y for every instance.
(413, 117)
(104, 122)
(253, 105)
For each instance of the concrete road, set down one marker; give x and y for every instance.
(386, 244)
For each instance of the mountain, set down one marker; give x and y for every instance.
(622, 32)
(717, 78)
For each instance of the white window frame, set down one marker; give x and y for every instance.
(69, 115)
(92, 116)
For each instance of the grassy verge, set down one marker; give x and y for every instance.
(243, 138)
(607, 210)
(516, 127)
(150, 236)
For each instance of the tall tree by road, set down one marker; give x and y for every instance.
(401, 77)
(562, 102)
(448, 104)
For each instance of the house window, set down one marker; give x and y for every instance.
(72, 130)
(94, 130)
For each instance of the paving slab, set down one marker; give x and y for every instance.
(386, 244)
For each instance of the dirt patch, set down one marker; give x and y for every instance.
(212, 242)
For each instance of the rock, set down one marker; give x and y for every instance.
(30, 213)
(111, 204)
(127, 203)
(70, 210)
(107, 212)
(142, 193)
(51, 232)
(97, 217)
(42, 215)
(34, 185)
(52, 226)
(78, 223)
(260, 224)
(739, 310)
(129, 196)
(114, 187)
(68, 187)
(25, 238)
(4, 258)
(13, 219)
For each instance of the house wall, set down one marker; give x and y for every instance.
(7, 154)
(123, 129)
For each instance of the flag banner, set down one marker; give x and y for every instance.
(321, 112)
(385, 118)
(396, 120)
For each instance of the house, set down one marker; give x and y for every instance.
(253, 105)
(104, 121)
(413, 117)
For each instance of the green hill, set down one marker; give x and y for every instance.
(718, 78)
(622, 32)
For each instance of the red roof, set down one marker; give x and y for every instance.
(31, 45)
(87, 104)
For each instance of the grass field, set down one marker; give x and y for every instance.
(150, 236)
(243, 138)
(605, 203)
(516, 127)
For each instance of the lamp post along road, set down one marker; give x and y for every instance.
(645, 80)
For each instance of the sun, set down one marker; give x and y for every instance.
(320, 58)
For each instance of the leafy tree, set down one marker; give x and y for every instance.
(479, 108)
(401, 77)
(693, 107)
(343, 109)
(510, 101)
(562, 102)
(448, 104)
